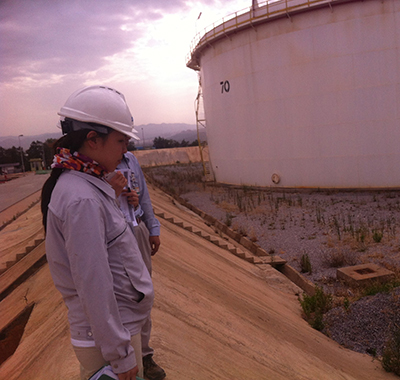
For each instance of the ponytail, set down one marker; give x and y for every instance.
(72, 141)
(47, 189)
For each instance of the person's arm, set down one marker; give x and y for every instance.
(148, 217)
(152, 223)
(85, 240)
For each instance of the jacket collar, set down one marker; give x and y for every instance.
(101, 184)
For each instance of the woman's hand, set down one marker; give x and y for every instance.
(118, 182)
(130, 375)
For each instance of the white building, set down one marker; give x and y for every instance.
(301, 93)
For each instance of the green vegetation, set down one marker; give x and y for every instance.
(377, 235)
(305, 264)
(315, 307)
(162, 143)
(375, 287)
(37, 149)
(391, 353)
(176, 179)
(228, 219)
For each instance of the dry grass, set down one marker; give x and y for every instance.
(333, 228)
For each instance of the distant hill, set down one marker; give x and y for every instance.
(176, 132)
(189, 136)
(8, 142)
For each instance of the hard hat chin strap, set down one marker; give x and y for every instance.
(69, 125)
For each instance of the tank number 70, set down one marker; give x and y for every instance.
(225, 86)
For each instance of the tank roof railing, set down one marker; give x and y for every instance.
(245, 18)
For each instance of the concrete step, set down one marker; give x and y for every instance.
(254, 260)
(10, 263)
(214, 240)
(223, 244)
(20, 256)
(266, 259)
(30, 248)
(274, 260)
(231, 248)
(240, 253)
(159, 213)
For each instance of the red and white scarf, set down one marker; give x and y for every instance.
(76, 161)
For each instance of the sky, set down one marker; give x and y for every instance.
(50, 48)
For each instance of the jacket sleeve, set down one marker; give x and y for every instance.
(86, 244)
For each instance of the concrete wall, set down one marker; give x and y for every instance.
(159, 157)
(313, 98)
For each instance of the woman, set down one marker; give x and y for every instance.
(93, 257)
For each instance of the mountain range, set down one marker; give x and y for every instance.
(147, 132)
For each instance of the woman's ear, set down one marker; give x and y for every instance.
(91, 139)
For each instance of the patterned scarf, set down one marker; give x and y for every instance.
(76, 161)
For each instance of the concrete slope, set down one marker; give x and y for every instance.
(215, 317)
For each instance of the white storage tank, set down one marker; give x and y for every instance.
(301, 93)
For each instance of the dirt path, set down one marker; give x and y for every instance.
(215, 317)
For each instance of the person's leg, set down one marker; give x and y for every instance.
(136, 343)
(152, 371)
(91, 359)
(142, 237)
(146, 332)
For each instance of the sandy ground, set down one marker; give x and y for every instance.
(215, 317)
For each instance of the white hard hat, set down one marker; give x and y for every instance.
(100, 105)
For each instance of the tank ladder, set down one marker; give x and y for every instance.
(201, 122)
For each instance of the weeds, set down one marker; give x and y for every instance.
(376, 287)
(175, 179)
(305, 264)
(347, 224)
(228, 219)
(391, 353)
(339, 258)
(336, 225)
(319, 215)
(377, 236)
(315, 306)
(346, 304)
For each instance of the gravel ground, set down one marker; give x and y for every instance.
(367, 324)
(331, 229)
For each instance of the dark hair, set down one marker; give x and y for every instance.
(72, 141)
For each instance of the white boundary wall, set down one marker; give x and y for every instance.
(314, 97)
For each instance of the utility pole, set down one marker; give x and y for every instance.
(21, 152)
(43, 158)
(143, 137)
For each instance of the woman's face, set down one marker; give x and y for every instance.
(111, 150)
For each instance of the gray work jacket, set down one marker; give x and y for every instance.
(97, 266)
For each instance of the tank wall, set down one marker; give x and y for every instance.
(313, 98)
